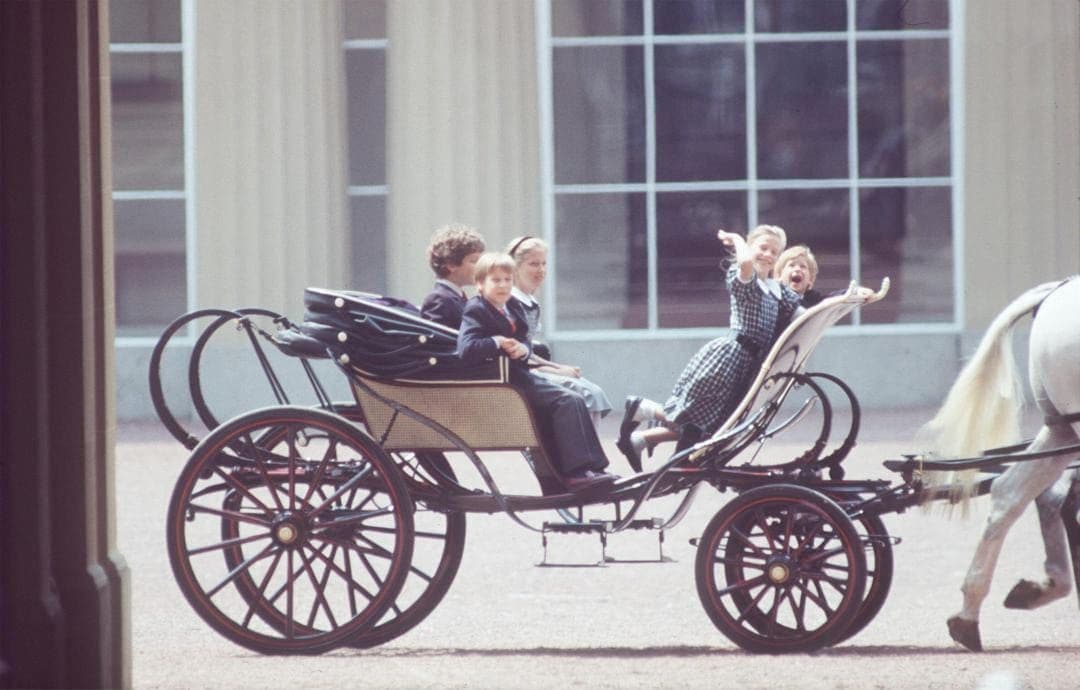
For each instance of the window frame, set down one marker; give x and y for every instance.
(853, 183)
(186, 49)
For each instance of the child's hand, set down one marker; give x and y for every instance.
(513, 348)
(727, 238)
(572, 372)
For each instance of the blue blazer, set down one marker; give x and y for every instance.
(480, 321)
(444, 305)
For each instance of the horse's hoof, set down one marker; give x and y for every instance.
(1023, 595)
(965, 632)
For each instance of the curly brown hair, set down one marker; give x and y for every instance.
(450, 245)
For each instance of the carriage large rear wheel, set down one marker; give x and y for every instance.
(781, 569)
(290, 531)
(437, 552)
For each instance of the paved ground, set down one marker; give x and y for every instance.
(508, 624)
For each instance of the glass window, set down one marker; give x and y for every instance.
(698, 16)
(906, 234)
(596, 17)
(689, 272)
(802, 110)
(700, 112)
(144, 21)
(738, 128)
(151, 264)
(601, 263)
(903, 108)
(365, 73)
(149, 216)
(148, 121)
(786, 16)
(365, 84)
(898, 15)
(364, 19)
(368, 243)
(599, 115)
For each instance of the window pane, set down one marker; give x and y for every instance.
(893, 15)
(595, 17)
(698, 16)
(144, 21)
(151, 273)
(600, 261)
(903, 108)
(691, 288)
(599, 115)
(802, 110)
(368, 267)
(906, 234)
(782, 16)
(148, 122)
(365, 18)
(700, 112)
(818, 218)
(365, 73)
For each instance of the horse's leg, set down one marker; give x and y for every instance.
(1010, 495)
(1030, 595)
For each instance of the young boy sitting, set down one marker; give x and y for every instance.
(797, 268)
(452, 255)
(493, 324)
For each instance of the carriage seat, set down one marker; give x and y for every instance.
(401, 364)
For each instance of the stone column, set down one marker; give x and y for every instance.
(270, 152)
(461, 128)
(64, 599)
(1022, 134)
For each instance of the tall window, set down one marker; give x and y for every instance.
(365, 74)
(669, 119)
(149, 197)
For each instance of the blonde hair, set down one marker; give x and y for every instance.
(449, 246)
(774, 230)
(520, 246)
(792, 253)
(493, 261)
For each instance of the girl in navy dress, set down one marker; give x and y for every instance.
(715, 380)
(530, 255)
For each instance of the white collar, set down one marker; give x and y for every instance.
(453, 286)
(770, 287)
(527, 300)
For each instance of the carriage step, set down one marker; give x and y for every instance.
(602, 528)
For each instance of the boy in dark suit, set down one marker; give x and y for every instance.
(494, 324)
(452, 255)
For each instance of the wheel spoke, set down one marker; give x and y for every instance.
(739, 586)
(261, 589)
(319, 589)
(344, 488)
(228, 543)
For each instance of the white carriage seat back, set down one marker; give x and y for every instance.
(793, 348)
(392, 352)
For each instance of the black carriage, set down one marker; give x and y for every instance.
(297, 529)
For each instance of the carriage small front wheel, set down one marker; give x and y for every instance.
(290, 531)
(781, 568)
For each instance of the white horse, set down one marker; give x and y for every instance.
(979, 412)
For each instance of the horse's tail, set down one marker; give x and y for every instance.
(982, 408)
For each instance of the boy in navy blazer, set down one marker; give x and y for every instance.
(493, 324)
(452, 255)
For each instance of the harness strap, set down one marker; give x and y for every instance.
(1058, 419)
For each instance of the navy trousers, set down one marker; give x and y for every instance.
(565, 426)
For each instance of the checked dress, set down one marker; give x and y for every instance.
(716, 378)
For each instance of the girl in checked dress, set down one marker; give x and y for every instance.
(716, 378)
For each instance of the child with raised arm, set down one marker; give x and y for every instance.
(718, 376)
(494, 324)
(452, 255)
(530, 255)
(797, 268)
